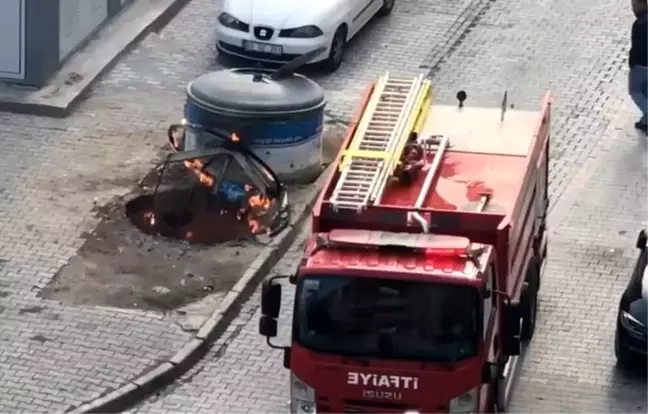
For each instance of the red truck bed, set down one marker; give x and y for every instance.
(503, 155)
(486, 155)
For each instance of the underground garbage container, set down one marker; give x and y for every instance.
(281, 121)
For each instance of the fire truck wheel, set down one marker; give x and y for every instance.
(493, 406)
(530, 304)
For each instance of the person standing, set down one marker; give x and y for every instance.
(638, 60)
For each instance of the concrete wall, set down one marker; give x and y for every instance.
(42, 39)
(38, 36)
(78, 19)
(12, 33)
(115, 6)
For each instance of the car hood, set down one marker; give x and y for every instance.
(279, 14)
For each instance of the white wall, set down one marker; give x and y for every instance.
(78, 19)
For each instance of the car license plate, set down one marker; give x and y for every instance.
(262, 47)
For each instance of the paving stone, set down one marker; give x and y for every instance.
(53, 170)
(599, 180)
(598, 174)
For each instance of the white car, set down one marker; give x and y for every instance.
(277, 31)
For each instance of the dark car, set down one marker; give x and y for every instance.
(630, 339)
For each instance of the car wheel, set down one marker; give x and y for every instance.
(530, 303)
(387, 7)
(625, 359)
(338, 47)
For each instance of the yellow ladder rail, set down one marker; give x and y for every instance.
(396, 108)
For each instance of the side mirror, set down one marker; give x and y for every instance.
(511, 341)
(176, 136)
(642, 239)
(489, 372)
(268, 326)
(270, 298)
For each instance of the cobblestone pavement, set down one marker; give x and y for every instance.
(52, 172)
(599, 187)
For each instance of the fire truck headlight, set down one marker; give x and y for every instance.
(466, 403)
(302, 397)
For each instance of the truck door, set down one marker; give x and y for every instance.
(489, 328)
(541, 203)
(488, 304)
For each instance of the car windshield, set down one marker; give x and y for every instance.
(400, 319)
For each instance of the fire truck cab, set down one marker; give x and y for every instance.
(418, 286)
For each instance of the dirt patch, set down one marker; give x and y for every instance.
(121, 266)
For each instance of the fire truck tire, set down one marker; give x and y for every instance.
(493, 406)
(530, 302)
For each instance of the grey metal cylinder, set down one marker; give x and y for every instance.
(279, 120)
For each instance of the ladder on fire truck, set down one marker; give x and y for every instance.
(397, 108)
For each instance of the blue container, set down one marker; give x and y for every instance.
(279, 120)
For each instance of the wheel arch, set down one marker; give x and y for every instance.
(344, 26)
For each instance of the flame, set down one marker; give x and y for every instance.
(150, 217)
(258, 205)
(196, 166)
(260, 201)
(255, 226)
(235, 138)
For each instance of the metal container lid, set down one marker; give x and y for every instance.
(251, 92)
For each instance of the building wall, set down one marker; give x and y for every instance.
(115, 6)
(77, 20)
(41, 40)
(12, 33)
(38, 36)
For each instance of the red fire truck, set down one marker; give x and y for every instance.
(418, 287)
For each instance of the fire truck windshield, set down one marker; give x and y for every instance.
(387, 318)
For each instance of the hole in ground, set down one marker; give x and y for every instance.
(191, 214)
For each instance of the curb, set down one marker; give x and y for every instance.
(197, 347)
(49, 101)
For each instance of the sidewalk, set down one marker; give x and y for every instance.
(70, 337)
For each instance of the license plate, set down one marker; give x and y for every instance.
(262, 47)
